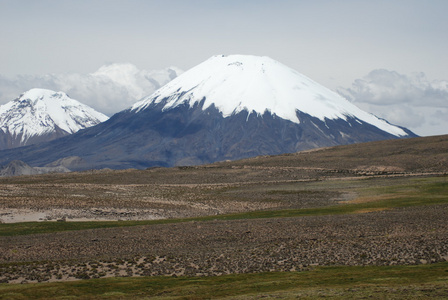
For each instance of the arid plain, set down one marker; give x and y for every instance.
(381, 203)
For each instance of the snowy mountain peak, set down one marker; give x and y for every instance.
(39, 112)
(235, 83)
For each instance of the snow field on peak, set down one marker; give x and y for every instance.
(39, 111)
(240, 82)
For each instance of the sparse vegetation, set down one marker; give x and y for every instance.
(284, 226)
(374, 195)
(396, 282)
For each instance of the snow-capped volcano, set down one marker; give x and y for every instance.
(40, 115)
(227, 108)
(258, 84)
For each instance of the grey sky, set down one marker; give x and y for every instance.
(333, 42)
(322, 39)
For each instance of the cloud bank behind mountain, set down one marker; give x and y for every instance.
(110, 89)
(412, 101)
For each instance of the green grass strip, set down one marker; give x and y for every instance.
(381, 282)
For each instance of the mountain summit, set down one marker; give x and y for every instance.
(227, 108)
(40, 115)
(257, 85)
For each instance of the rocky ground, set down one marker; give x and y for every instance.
(402, 236)
(189, 193)
(324, 177)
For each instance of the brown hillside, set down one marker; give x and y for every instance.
(422, 154)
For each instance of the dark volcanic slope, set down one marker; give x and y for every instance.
(192, 136)
(424, 154)
(8, 140)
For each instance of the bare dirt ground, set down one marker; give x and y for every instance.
(83, 201)
(160, 193)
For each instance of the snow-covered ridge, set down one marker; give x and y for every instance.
(41, 111)
(257, 84)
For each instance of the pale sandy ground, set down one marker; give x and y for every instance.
(14, 215)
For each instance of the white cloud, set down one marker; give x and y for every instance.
(110, 89)
(412, 101)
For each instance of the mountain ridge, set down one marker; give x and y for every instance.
(40, 115)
